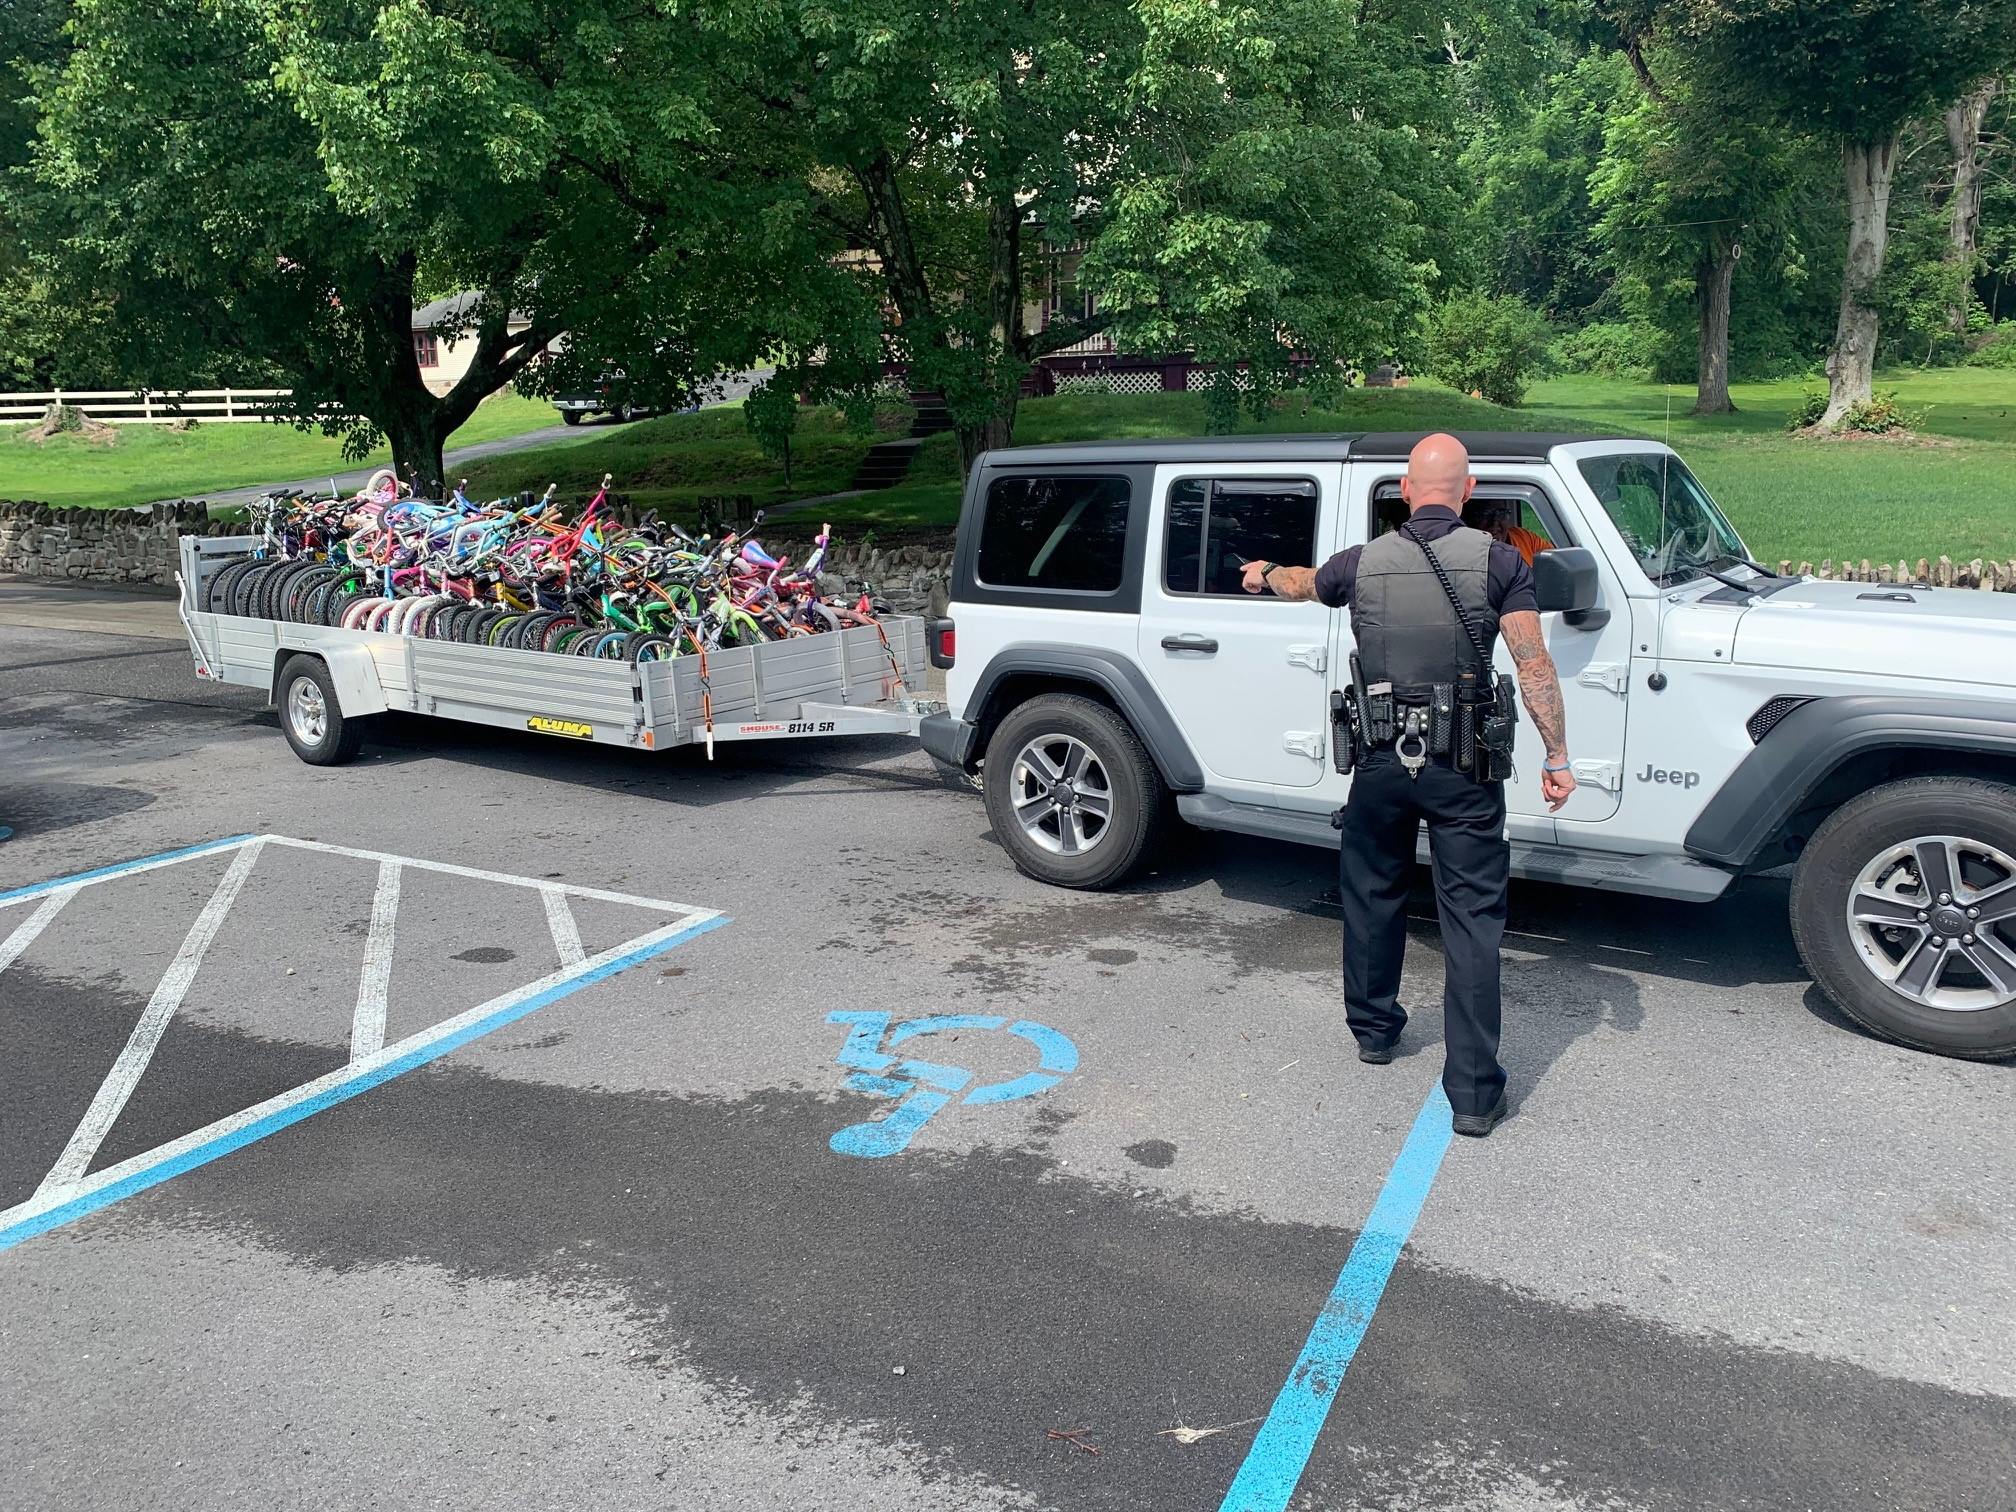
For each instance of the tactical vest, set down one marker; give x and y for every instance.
(1407, 632)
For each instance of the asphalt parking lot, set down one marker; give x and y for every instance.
(506, 1123)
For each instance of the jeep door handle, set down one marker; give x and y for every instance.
(1190, 642)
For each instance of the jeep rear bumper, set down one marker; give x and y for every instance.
(948, 739)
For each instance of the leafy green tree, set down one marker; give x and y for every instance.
(273, 185)
(1857, 72)
(1487, 344)
(1683, 189)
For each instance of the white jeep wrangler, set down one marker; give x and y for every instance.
(1723, 720)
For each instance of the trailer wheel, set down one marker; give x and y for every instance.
(311, 717)
(1072, 793)
(1904, 910)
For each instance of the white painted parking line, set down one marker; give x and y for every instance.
(506, 878)
(367, 1024)
(25, 932)
(560, 919)
(71, 1189)
(146, 1036)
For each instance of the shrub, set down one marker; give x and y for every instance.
(1808, 411)
(1998, 350)
(1879, 416)
(1609, 349)
(1487, 344)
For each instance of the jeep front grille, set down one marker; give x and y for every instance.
(1765, 720)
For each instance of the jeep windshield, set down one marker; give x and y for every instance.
(1666, 517)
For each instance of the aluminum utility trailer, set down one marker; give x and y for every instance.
(859, 681)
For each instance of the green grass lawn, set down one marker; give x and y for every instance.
(1953, 491)
(149, 462)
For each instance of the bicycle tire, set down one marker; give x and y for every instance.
(339, 605)
(273, 597)
(561, 624)
(471, 631)
(442, 622)
(647, 646)
(530, 632)
(501, 627)
(218, 599)
(245, 596)
(562, 643)
(301, 592)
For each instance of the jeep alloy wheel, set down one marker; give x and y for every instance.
(1063, 799)
(1927, 917)
(1904, 908)
(1073, 796)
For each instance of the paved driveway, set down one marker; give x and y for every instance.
(514, 1187)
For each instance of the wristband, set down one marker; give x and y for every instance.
(1548, 766)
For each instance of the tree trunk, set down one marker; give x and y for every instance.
(1711, 297)
(1963, 210)
(418, 433)
(1005, 337)
(1851, 365)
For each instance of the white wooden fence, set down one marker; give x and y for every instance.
(147, 406)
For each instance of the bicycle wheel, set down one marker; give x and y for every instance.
(301, 591)
(245, 593)
(649, 647)
(442, 622)
(218, 599)
(279, 583)
(529, 634)
(501, 627)
(587, 642)
(562, 623)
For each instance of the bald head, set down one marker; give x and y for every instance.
(1438, 472)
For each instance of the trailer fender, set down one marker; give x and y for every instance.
(352, 670)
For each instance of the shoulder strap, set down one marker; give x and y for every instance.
(1455, 602)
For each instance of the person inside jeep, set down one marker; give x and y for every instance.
(1499, 519)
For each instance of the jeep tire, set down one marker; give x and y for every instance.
(1073, 795)
(1869, 849)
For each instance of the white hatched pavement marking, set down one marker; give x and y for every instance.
(367, 1024)
(25, 932)
(509, 880)
(146, 1036)
(560, 919)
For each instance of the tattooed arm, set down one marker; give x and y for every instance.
(1284, 582)
(1540, 688)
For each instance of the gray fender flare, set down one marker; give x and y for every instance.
(1776, 778)
(1121, 680)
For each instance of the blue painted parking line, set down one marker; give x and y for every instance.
(1280, 1451)
(137, 864)
(41, 1214)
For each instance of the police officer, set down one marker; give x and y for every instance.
(1409, 634)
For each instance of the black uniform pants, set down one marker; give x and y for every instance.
(1472, 862)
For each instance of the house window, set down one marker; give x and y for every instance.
(427, 348)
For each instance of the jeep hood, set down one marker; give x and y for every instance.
(1934, 634)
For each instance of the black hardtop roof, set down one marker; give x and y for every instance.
(1484, 446)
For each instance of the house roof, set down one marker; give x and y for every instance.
(454, 310)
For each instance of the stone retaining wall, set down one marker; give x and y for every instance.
(99, 545)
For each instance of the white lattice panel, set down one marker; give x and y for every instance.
(1202, 378)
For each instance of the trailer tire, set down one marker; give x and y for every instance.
(311, 717)
(1085, 750)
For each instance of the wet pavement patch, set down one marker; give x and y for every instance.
(1156, 1154)
(1017, 1299)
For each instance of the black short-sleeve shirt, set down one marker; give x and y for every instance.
(1511, 580)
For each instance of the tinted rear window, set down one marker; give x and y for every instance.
(1062, 532)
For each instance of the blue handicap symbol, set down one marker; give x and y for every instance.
(925, 1086)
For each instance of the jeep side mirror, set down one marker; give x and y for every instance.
(1566, 579)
